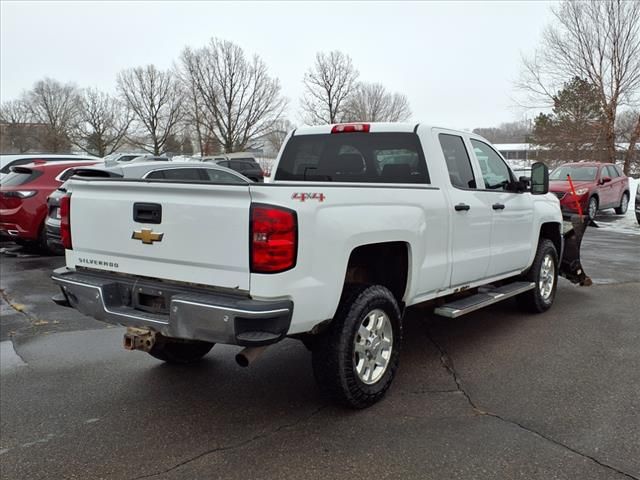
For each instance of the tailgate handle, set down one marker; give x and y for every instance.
(147, 212)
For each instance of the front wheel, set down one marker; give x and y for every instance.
(176, 350)
(624, 204)
(356, 358)
(544, 274)
(592, 208)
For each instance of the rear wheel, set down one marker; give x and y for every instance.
(592, 208)
(175, 350)
(544, 274)
(356, 358)
(624, 204)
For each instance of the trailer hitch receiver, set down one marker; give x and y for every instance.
(139, 339)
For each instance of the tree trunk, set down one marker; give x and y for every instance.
(610, 134)
(633, 139)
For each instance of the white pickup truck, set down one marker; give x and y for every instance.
(359, 222)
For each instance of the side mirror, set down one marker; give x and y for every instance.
(539, 179)
(605, 179)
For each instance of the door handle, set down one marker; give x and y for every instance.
(462, 206)
(497, 206)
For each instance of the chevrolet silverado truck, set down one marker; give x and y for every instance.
(360, 222)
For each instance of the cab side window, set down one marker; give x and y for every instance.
(458, 162)
(495, 172)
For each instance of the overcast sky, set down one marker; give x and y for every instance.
(455, 61)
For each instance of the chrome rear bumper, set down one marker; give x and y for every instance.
(174, 310)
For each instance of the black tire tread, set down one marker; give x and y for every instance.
(618, 209)
(531, 301)
(337, 380)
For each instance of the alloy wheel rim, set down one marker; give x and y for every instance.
(373, 344)
(547, 277)
(625, 203)
(593, 209)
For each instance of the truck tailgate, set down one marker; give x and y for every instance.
(202, 235)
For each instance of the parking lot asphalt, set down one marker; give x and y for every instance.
(494, 394)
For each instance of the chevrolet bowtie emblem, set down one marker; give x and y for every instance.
(147, 236)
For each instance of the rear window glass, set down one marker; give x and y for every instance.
(586, 174)
(220, 176)
(22, 177)
(177, 174)
(354, 157)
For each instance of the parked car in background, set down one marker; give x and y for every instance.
(598, 186)
(116, 158)
(638, 204)
(8, 161)
(23, 199)
(183, 171)
(244, 163)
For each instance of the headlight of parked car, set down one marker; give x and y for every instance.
(581, 191)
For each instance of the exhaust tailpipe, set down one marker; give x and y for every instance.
(249, 355)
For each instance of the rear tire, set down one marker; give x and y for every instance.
(178, 351)
(544, 273)
(356, 358)
(624, 204)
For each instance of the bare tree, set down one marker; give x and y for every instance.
(56, 106)
(598, 41)
(238, 100)
(155, 98)
(628, 130)
(103, 122)
(17, 131)
(278, 133)
(328, 86)
(371, 102)
(194, 112)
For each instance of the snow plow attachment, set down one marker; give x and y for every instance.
(571, 267)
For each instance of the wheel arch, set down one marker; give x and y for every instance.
(385, 263)
(552, 231)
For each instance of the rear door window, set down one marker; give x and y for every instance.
(611, 171)
(21, 177)
(354, 157)
(458, 161)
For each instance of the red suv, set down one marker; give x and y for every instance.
(23, 200)
(597, 186)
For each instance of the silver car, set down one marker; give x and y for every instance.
(158, 171)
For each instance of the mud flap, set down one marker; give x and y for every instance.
(570, 267)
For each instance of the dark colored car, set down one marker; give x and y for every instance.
(152, 170)
(247, 166)
(23, 200)
(638, 204)
(598, 186)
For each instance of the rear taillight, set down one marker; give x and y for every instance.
(65, 221)
(350, 127)
(274, 239)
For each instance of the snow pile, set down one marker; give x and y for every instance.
(608, 220)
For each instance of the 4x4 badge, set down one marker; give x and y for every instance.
(147, 236)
